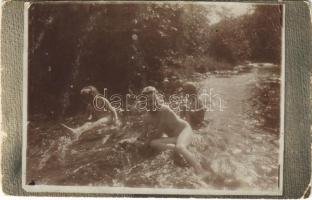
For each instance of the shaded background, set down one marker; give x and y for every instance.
(122, 47)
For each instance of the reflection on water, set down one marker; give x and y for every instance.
(239, 145)
(265, 108)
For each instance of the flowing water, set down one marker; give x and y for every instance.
(239, 145)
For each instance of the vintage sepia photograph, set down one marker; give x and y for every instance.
(180, 98)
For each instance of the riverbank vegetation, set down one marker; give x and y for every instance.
(122, 47)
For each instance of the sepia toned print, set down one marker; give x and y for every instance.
(154, 98)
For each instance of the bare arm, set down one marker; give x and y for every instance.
(150, 132)
(89, 112)
(147, 128)
(112, 109)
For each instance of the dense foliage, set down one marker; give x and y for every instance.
(122, 47)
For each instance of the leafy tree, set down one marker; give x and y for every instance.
(264, 30)
(228, 41)
(129, 46)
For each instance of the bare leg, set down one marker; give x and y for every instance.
(180, 146)
(184, 139)
(164, 143)
(88, 126)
